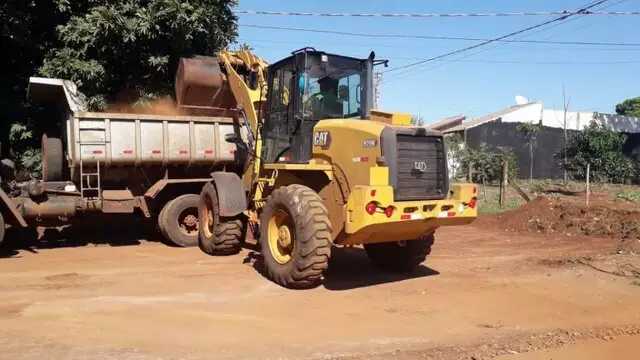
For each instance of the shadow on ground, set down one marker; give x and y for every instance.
(111, 231)
(350, 269)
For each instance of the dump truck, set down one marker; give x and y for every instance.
(322, 168)
(120, 163)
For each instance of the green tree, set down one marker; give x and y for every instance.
(487, 164)
(629, 107)
(530, 132)
(27, 29)
(417, 120)
(129, 50)
(602, 149)
(120, 50)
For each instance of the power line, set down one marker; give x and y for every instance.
(499, 38)
(252, 41)
(533, 62)
(434, 15)
(408, 72)
(433, 37)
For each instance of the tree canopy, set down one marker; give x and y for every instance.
(121, 50)
(602, 149)
(629, 107)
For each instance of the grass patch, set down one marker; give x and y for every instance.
(635, 283)
(632, 196)
(491, 205)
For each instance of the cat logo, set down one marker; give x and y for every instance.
(322, 139)
(420, 166)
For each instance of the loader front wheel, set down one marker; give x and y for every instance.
(295, 237)
(400, 256)
(217, 235)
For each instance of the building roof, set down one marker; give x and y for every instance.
(491, 117)
(446, 123)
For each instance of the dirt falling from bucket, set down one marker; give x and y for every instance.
(161, 106)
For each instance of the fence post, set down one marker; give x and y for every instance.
(503, 183)
(470, 172)
(588, 187)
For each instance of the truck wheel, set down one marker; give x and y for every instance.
(178, 220)
(2, 229)
(52, 158)
(295, 237)
(161, 220)
(402, 256)
(217, 236)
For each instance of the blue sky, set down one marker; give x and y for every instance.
(477, 85)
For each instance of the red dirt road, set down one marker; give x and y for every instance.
(482, 294)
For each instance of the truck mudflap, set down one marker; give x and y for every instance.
(10, 211)
(372, 216)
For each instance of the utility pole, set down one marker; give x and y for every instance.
(377, 83)
(566, 108)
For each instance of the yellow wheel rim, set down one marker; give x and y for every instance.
(207, 217)
(281, 236)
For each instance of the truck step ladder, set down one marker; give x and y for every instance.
(90, 186)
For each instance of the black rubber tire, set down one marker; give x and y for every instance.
(52, 159)
(168, 220)
(2, 229)
(227, 234)
(162, 220)
(311, 237)
(400, 257)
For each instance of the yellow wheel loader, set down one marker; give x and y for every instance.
(320, 167)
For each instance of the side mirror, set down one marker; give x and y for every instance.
(231, 138)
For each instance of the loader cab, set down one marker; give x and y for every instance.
(307, 87)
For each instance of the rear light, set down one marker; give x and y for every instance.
(371, 208)
(389, 211)
(475, 189)
(472, 203)
(373, 192)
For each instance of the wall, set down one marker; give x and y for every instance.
(529, 113)
(620, 123)
(550, 140)
(575, 120)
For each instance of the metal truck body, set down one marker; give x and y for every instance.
(121, 163)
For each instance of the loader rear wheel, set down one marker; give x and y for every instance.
(295, 237)
(400, 256)
(178, 220)
(217, 235)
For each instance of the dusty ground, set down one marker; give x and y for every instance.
(484, 293)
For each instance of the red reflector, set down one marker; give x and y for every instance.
(127, 152)
(472, 203)
(155, 151)
(97, 151)
(405, 217)
(208, 151)
(373, 192)
(475, 189)
(451, 213)
(183, 152)
(371, 208)
(389, 211)
(364, 159)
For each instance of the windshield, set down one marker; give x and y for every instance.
(332, 87)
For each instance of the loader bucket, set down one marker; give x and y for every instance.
(200, 83)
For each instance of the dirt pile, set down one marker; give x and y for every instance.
(560, 215)
(161, 106)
